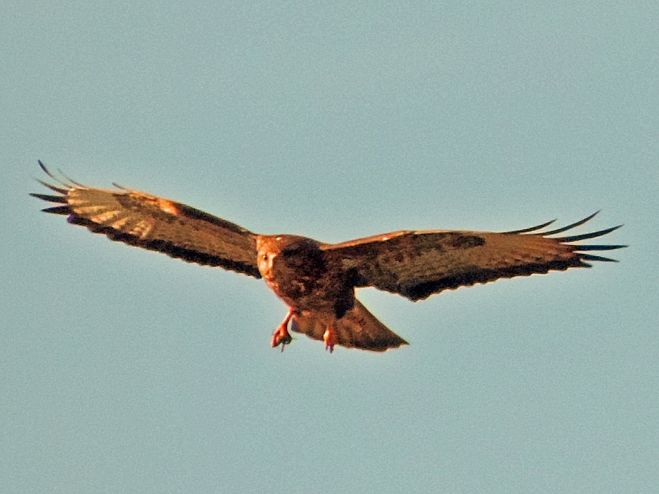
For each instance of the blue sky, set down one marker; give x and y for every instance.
(126, 371)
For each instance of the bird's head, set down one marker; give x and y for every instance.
(284, 251)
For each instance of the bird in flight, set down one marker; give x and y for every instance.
(317, 280)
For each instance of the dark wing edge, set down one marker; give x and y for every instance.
(578, 249)
(64, 186)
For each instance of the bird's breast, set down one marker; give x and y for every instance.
(305, 286)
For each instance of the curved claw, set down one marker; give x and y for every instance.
(281, 336)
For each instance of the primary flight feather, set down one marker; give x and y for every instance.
(317, 280)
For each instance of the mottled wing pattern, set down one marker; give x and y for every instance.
(417, 264)
(358, 328)
(154, 223)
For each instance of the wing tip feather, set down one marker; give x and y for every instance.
(63, 180)
(585, 236)
(64, 210)
(591, 257)
(568, 239)
(55, 188)
(49, 198)
(531, 228)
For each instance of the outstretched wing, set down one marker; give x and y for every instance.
(154, 223)
(417, 264)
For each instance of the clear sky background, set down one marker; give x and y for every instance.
(125, 371)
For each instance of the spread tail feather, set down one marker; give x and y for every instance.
(358, 328)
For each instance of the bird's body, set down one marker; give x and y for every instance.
(317, 281)
(299, 272)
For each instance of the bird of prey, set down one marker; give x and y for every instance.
(317, 280)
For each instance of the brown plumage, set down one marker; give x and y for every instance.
(317, 280)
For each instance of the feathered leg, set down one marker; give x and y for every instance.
(358, 328)
(329, 338)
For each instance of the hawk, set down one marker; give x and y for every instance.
(317, 280)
